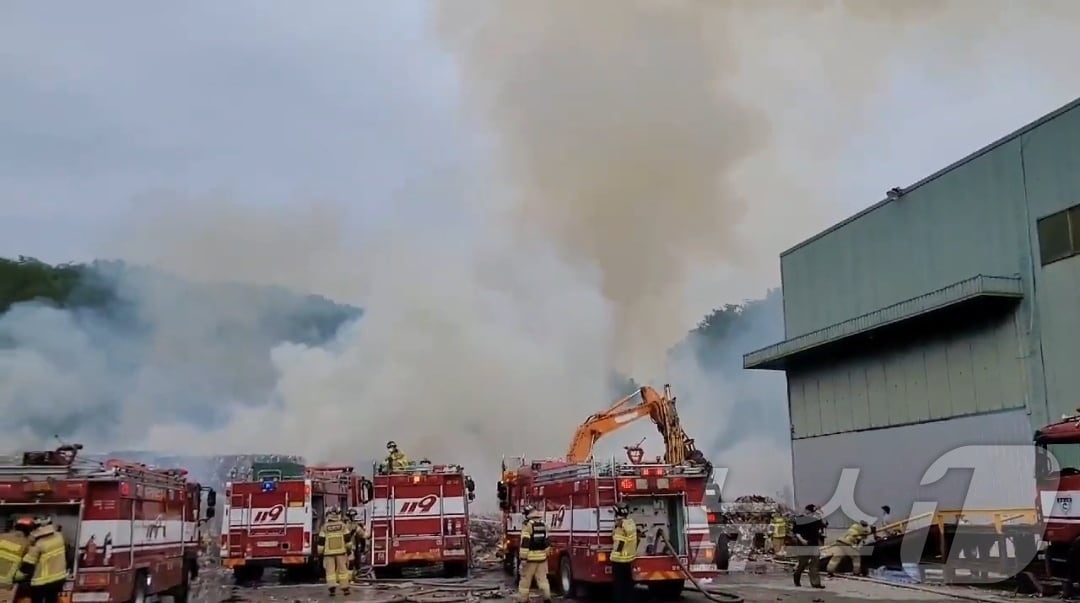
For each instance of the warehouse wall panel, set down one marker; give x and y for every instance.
(972, 370)
(1051, 159)
(963, 223)
(892, 462)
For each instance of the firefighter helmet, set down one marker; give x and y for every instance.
(43, 520)
(391, 445)
(527, 510)
(621, 510)
(24, 523)
(351, 513)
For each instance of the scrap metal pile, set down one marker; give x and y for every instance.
(751, 515)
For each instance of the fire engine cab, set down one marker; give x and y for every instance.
(132, 531)
(420, 517)
(578, 500)
(273, 516)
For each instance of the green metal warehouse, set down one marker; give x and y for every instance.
(946, 315)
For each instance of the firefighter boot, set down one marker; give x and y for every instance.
(346, 591)
(333, 591)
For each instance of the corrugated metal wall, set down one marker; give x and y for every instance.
(966, 222)
(972, 370)
(1052, 162)
(892, 463)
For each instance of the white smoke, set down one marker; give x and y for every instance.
(640, 164)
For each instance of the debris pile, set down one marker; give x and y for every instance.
(486, 532)
(749, 516)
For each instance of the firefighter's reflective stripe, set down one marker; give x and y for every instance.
(625, 546)
(46, 554)
(534, 540)
(12, 548)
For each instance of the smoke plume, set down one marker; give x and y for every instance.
(645, 162)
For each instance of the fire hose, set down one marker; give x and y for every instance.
(712, 594)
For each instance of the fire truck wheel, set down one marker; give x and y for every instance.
(564, 581)
(456, 569)
(179, 593)
(723, 552)
(667, 590)
(139, 588)
(510, 562)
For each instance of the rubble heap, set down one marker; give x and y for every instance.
(486, 532)
(750, 516)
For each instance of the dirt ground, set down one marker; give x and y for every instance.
(491, 585)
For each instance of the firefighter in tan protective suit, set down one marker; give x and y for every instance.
(534, 552)
(395, 459)
(357, 536)
(13, 546)
(45, 562)
(848, 546)
(778, 531)
(623, 553)
(334, 544)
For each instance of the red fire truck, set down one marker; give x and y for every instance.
(272, 519)
(578, 500)
(132, 531)
(420, 517)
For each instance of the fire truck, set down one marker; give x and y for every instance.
(420, 518)
(666, 498)
(1058, 488)
(578, 501)
(132, 531)
(272, 518)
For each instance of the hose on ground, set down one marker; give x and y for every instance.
(432, 590)
(713, 594)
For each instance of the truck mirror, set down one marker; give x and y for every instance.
(501, 489)
(211, 498)
(472, 496)
(210, 512)
(366, 491)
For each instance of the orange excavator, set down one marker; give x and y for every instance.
(646, 401)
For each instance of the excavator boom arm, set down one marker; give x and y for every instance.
(678, 447)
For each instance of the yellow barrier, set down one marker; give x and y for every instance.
(999, 518)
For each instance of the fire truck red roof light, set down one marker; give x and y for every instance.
(712, 517)
(125, 489)
(626, 484)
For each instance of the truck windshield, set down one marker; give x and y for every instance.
(1063, 456)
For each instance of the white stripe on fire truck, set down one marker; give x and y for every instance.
(265, 516)
(122, 533)
(586, 519)
(409, 508)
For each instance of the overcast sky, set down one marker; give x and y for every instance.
(105, 105)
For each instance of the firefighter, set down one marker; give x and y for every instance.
(335, 546)
(623, 553)
(13, 545)
(45, 562)
(848, 546)
(778, 533)
(395, 459)
(534, 551)
(357, 536)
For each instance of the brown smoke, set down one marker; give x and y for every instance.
(621, 124)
